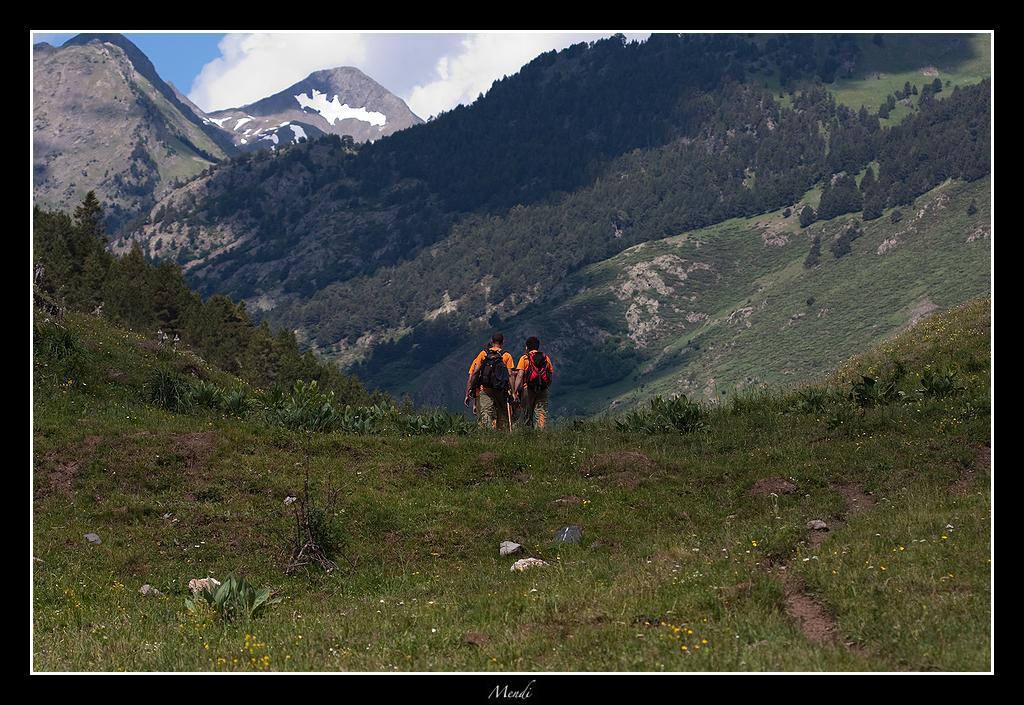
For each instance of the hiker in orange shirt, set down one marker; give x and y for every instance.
(533, 379)
(490, 383)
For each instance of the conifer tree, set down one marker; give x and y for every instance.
(807, 216)
(814, 256)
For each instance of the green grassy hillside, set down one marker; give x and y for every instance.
(695, 551)
(732, 306)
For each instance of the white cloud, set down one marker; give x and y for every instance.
(482, 59)
(431, 72)
(254, 66)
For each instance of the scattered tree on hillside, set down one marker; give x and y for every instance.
(814, 256)
(841, 245)
(807, 216)
(839, 197)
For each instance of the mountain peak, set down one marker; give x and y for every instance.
(341, 100)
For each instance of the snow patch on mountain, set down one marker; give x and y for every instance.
(220, 121)
(299, 132)
(242, 121)
(333, 111)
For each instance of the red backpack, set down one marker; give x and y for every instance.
(538, 376)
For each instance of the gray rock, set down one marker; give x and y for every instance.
(569, 534)
(149, 590)
(93, 538)
(508, 548)
(817, 525)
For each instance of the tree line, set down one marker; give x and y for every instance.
(78, 272)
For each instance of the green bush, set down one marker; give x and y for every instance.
(169, 390)
(207, 395)
(868, 392)
(56, 343)
(237, 403)
(810, 400)
(233, 599)
(305, 409)
(939, 383)
(677, 414)
(61, 351)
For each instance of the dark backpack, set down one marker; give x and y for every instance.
(493, 373)
(538, 377)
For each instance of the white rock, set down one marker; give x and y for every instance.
(526, 563)
(148, 590)
(817, 525)
(199, 584)
(508, 548)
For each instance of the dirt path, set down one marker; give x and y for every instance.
(816, 621)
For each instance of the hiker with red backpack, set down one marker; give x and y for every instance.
(533, 379)
(490, 384)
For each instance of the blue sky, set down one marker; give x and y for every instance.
(178, 57)
(432, 72)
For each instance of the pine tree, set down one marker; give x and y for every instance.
(127, 291)
(807, 216)
(868, 182)
(814, 256)
(89, 216)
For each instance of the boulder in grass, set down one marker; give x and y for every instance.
(817, 525)
(149, 591)
(508, 548)
(527, 563)
(569, 534)
(93, 538)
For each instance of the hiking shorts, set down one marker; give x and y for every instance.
(491, 411)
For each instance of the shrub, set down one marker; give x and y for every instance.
(57, 344)
(236, 403)
(939, 383)
(306, 408)
(677, 414)
(234, 599)
(868, 391)
(207, 395)
(318, 536)
(61, 349)
(169, 390)
(810, 400)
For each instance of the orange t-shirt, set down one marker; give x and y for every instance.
(505, 357)
(524, 363)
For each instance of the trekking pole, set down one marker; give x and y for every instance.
(508, 406)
